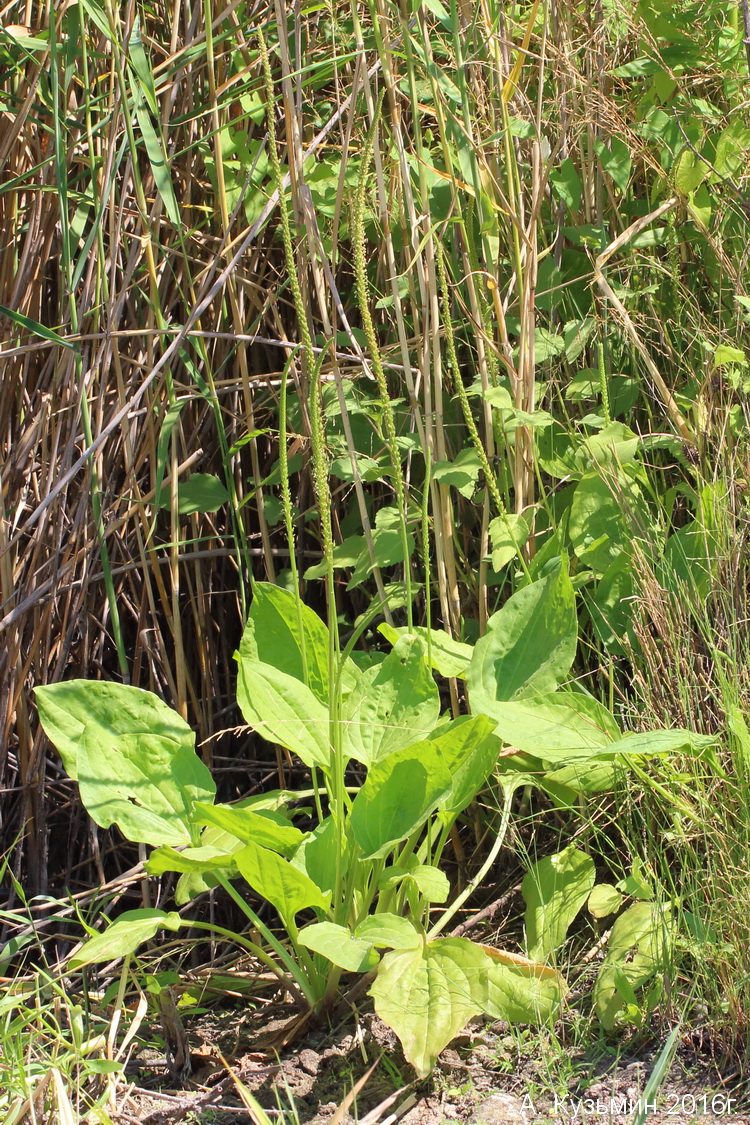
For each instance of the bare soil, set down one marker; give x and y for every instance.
(490, 1075)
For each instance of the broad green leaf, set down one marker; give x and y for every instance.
(638, 883)
(462, 473)
(427, 995)
(535, 419)
(700, 206)
(369, 469)
(613, 444)
(689, 558)
(610, 604)
(201, 492)
(345, 554)
(529, 645)
(597, 526)
(604, 900)
(520, 990)
(732, 150)
(498, 397)
(394, 704)
(448, 657)
(287, 888)
(125, 935)
(577, 334)
(556, 448)
(388, 547)
(588, 775)
(658, 742)
(430, 881)
(614, 157)
(193, 883)
(201, 860)
(554, 727)
(285, 633)
(469, 750)
(725, 353)
(269, 829)
(546, 346)
(567, 183)
(398, 795)
(317, 854)
(146, 784)
(637, 950)
(554, 890)
(389, 930)
(67, 708)
(689, 171)
(508, 534)
(340, 946)
(284, 710)
(740, 744)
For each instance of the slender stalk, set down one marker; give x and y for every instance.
(305, 985)
(363, 299)
(481, 874)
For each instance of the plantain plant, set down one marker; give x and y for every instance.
(357, 882)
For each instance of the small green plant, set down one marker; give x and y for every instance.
(367, 873)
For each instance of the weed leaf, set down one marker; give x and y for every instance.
(554, 890)
(287, 888)
(125, 936)
(529, 645)
(398, 795)
(285, 633)
(395, 704)
(283, 710)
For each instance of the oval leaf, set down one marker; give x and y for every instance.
(340, 947)
(390, 931)
(287, 888)
(394, 705)
(638, 948)
(201, 492)
(270, 830)
(397, 797)
(283, 710)
(554, 890)
(604, 900)
(529, 645)
(65, 709)
(520, 990)
(448, 657)
(125, 936)
(554, 727)
(285, 633)
(143, 783)
(427, 995)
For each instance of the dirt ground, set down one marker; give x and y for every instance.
(490, 1075)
